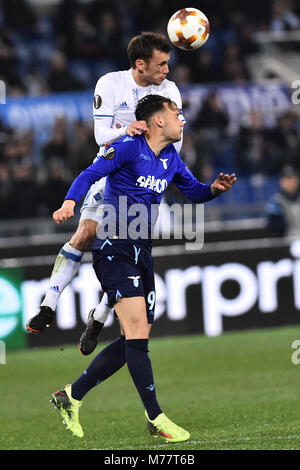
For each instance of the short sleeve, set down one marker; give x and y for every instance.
(103, 103)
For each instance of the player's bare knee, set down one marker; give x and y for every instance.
(80, 241)
(137, 328)
(84, 235)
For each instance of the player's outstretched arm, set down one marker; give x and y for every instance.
(223, 183)
(199, 192)
(65, 212)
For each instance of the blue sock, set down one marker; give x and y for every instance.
(139, 366)
(105, 364)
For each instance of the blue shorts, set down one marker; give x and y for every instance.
(125, 270)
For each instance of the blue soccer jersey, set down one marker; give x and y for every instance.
(137, 180)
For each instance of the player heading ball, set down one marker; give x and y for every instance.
(125, 267)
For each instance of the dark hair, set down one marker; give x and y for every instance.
(142, 47)
(151, 104)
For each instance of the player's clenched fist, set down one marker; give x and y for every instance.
(222, 183)
(65, 212)
(136, 127)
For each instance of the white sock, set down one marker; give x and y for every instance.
(102, 310)
(65, 268)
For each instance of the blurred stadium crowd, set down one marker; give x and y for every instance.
(70, 44)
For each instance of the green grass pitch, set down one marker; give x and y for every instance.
(236, 391)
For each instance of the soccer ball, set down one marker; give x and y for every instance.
(188, 29)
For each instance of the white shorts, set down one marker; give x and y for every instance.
(92, 207)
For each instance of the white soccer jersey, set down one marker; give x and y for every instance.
(116, 97)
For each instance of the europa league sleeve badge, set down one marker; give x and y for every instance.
(97, 101)
(109, 153)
